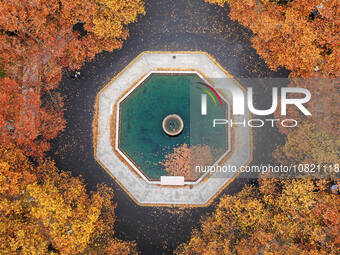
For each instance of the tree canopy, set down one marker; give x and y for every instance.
(281, 216)
(27, 120)
(301, 36)
(37, 40)
(45, 211)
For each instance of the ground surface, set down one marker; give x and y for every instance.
(168, 25)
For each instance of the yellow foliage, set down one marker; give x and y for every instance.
(309, 145)
(113, 15)
(42, 208)
(298, 35)
(278, 217)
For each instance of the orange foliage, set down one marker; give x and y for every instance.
(279, 217)
(37, 40)
(316, 138)
(184, 159)
(309, 144)
(43, 211)
(24, 122)
(301, 36)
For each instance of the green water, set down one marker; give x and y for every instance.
(142, 113)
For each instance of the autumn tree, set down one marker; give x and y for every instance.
(278, 217)
(309, 144)
(44, 211)
(301, 36)
(316, 138)
(25, 120)
(184, 159)
(40, 38)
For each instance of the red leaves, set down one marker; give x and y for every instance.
(292, 34)
(24, 122)
(39, 39)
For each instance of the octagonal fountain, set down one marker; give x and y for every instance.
(153, 108)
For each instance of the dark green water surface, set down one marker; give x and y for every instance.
(142, 112)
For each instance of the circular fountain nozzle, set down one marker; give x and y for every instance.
(172, 125)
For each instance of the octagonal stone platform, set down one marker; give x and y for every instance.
(140, 189)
